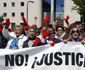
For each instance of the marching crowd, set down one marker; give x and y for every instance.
(31, 36)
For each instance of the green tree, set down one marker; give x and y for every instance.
(79, 6)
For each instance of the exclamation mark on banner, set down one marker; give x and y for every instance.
(26, 59)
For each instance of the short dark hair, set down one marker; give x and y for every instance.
(78, 22)
(32, 28)
(59, 27)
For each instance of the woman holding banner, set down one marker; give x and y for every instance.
(74, 35)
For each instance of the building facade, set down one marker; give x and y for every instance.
(14, 9)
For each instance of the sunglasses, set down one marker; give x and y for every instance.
(73, 31)
(51, 33)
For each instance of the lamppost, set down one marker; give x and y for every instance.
(27, 8)
(52, 11)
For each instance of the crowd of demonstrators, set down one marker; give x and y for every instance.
(31, 36)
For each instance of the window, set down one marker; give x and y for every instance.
(82, 20)
(4, 4)
(22, 3)
(5, 14)
(12, 25)
(59, 9)
(13, 14)
(46, 8)
(22, 24)
(4, 23)
(13, 4)
(22, 13)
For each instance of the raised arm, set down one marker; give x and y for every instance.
(5, 32)
(26, 26)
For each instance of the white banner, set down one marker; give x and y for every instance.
(62, 56)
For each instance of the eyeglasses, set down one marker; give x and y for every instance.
(73, 31)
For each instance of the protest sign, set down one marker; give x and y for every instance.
(62, 56)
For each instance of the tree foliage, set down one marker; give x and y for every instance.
(79, 6)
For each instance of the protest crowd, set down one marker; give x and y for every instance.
(31, 36)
